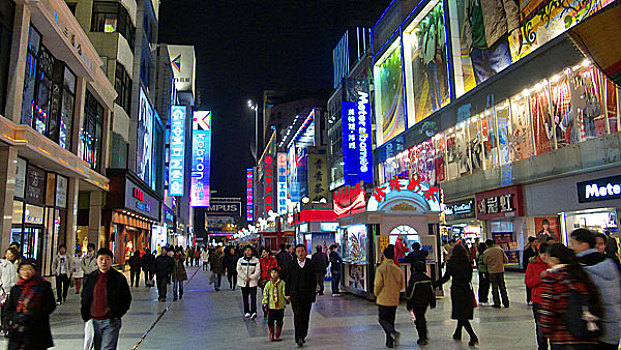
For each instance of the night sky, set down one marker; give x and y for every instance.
(244, 47)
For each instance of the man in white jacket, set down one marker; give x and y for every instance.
(89, 261)
(61, 268)
(248, 274)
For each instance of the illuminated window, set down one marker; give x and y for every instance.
(403, 230)
(111, 17)
(90, 137)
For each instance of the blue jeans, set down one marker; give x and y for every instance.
(336, 279)
(488, 62)
(434, 85)
(106, 333)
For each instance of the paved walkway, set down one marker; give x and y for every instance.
(206, 319)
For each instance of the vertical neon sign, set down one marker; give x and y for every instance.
(357, 147)
(201, 156)
(249, 195)
(176, 172)
(281, 162)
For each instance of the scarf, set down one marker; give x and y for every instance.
(275, 293)
(30, 294)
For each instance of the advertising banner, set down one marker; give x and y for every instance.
(355, 277)
(356, 120)
(201, 157)
(318, 174)
(282, 182)
(389, 98)
(144, 148)
(183, 62)
(249, 195)
(176, 166)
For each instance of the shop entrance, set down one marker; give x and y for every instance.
(30, 239)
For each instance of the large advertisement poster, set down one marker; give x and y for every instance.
(547, 226)
(356, 126)
(543, 126)
(425, 43)
(356, 245)
(520, 137)
(176, 163)
(523, 26)
(201, 159)
(422, 162)
(144, 148)
(389, 98)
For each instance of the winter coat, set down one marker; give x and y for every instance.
(526, 256)
(532, 279)
(400, 250)
(135, 262)
(164, 265)
(462, 295)
(500, 17)
(335, 262)
(495, 259)
(89, 263)
(555, 290)
(148, 262)
(8, 274)
(230, 264)
(389, 281)
(301, 282)
(420, 292)
(205, 255)
(267, 264)
(37, 333)
(179, 273)
(78, 272)
(217, 262)
(481, 264)
(417, 255)
(284, 262)
(56, 265)
(605, 276)
(320, 262)
(117, 293)
(274, 295)
(248, 269)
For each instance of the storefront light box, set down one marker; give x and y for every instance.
(176, 172)
(201, 156)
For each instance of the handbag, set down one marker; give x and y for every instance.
(474, 298)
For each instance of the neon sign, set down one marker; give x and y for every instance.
(176, 171)
(281, 163)
(249, 195)
(357, 153)
(201, 157)
(401, 190)
(599, 190)
(349, 199)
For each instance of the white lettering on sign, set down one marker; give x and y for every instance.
(593, 190)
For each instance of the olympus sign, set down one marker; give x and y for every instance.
(600, 189)
(233, 208)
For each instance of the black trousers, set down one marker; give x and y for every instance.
(301, 317)
(252, 292)
(465, 324)
(542, 341)
(320, 277)
(275, 316)
(62, 286)
(162, 284)
(148, 276)
(232, 279)
(135, 278)
(483, 287)
(421, 322)
(499, 289)
(529, 292)
(387, 321)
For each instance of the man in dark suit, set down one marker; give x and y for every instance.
(300, 291)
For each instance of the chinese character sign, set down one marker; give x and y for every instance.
(249, 195)
(500, 203)
(357, 153)
(177, 151)
(282, 183)
(201, 155)
(402, 191)
(268, 167)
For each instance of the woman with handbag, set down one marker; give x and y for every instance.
(267, 263)
(28, 310)
(459, 269)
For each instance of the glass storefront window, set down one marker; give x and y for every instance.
(543, 125)
(90, 137)
(389, 98)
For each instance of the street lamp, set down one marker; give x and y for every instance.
(255, 108)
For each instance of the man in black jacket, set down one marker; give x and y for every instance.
(105, 299)
(300, 291)
(284, 261)
(164, 265)
(320, 263)
(335, 269)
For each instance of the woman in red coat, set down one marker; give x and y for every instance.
(532, 280)
(267, 263)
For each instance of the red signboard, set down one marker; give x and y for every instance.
(138, 194)
(499, 203)
(349, 199)
(268, 183)
(312, 215)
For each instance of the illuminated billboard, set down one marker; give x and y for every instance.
(389, 99)
(177, 151)
(201, 155)
(267, 173)
(183, 62)
(144, 148)
(249, 195)
(281, 162)
(357, 146)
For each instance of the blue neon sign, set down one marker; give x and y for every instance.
(357, 148)
(201, 157)
(177, 151)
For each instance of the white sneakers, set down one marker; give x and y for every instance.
(254, 315)
(247, 316)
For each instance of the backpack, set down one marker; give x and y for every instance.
(581, 323)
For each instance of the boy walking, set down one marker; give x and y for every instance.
(274, 300)
(420, 295)
(388, 283)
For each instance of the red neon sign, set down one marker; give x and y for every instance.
(434, 193)
(138, 194)
(348, 199)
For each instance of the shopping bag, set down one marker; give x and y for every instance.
(89, 335)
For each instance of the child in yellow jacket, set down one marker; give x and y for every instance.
(274, 299)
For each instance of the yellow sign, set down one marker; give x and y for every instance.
(383, 242)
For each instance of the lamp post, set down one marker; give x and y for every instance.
(255, 108)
